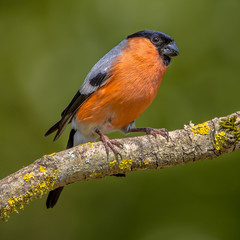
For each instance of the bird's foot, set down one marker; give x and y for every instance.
(110, 144)
(152, 131)
(161, 131)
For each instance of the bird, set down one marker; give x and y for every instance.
(118, 88)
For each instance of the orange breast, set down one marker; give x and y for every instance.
(136, 78)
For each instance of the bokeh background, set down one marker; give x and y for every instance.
(46, 50)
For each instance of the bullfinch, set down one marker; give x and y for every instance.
(119, 87)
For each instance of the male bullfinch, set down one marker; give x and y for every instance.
(119, 87)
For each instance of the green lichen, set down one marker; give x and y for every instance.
(230, 125)
(227, 125)
(34, 192)
(201, 129)
(95, 174)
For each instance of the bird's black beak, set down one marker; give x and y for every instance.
(170, 50)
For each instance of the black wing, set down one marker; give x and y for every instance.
(67, 115)
(69, 112)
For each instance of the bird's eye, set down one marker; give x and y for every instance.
(155, 39)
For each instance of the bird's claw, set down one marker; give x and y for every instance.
(110, 144)
(161, 131)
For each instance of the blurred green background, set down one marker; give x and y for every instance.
(46, 50)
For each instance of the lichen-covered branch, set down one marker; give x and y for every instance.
(87, 161)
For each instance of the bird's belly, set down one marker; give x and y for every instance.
(110, 112)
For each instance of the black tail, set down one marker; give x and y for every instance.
(53, 197)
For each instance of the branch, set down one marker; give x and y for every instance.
(87, 161)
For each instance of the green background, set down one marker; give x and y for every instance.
(46, 50)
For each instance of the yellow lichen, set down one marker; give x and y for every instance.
(201, 129)
(125, 165)
(50, 155)
(95, 174)
(146, 162)
(42, 169)
(34, 192)
(112, 164)
(10, 202)
(27, 177)
(220, 138)
(88, 143)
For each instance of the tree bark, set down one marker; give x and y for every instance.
(87, 161)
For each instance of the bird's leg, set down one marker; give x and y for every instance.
(152, 131)
(110, 144)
